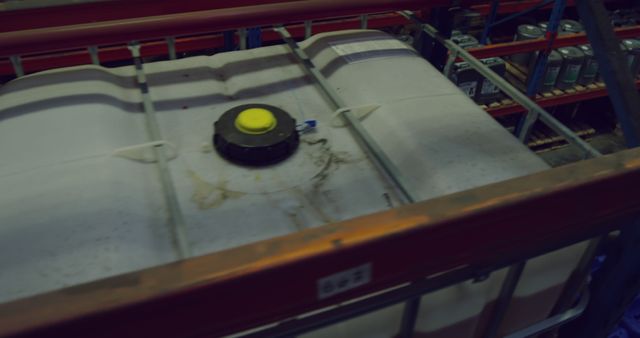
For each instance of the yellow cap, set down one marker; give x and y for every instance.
(255, 121)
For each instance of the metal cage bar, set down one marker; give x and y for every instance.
(482, 228)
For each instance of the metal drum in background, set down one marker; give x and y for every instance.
(465, 41)
(571, 26)
(466, 78)
(543, 25)
(572, 60)
(632, 47)
(564, 26)
(554, 63)
(489, 92)
(526, 32)
(589, 70)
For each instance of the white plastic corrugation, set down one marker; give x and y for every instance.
(75, 212)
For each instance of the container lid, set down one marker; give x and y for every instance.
(255, 134)
(543, 25)
(631, 44)
(571, 26)
(554, 56)
(255, 121)
(570, 52)
(530, 31)
(586, 49)
(492, 60)
(465, 40)
(463, 65)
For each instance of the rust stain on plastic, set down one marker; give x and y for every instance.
(208, 195)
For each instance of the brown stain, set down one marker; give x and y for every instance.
(208, 195)
(329, 161)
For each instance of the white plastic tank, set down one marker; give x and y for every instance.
(76, 206)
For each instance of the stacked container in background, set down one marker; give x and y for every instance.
(526, 32)
(554, 64)
(589, 70)
(478, 88)
(632, 49)
(572, 60)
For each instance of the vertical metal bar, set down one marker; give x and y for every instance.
(229, 41)
(255, 37)
(95, 57)
(16, 62)
(452, 59)
(443, 22)
(613, 288)
(307, 29)
(504, 299)
(409, 318)
(171, 46)
(524, 127)
(364, 21)
(242, 35)
(490, 20)
(176, 218)
(613, 69)
(578, 279)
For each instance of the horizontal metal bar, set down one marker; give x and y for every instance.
(298, 326)
(508, 89)
(77, 12)
(187, 44)
(480, 228)
(555, 321)
(190, 23)
(306, 324)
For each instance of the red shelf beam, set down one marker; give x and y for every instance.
(102, 33)
(507, 7)
(587, 94)
(37, 63)
(80, 13)
(510, 48)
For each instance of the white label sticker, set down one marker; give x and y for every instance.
(358, 50)
(344, 281)
(489, 88)
(468, 88)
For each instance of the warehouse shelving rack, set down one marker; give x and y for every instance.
(12, 21)
(509, 222)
